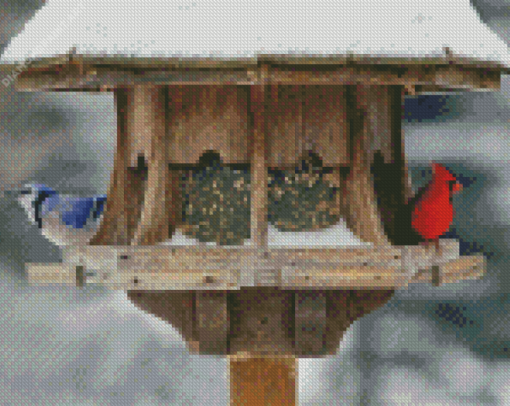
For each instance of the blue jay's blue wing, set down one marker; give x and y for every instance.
(76, 210)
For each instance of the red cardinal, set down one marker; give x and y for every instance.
(433, 212)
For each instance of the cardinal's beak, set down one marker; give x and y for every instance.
(457, 187)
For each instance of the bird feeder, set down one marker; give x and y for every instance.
(262, 307)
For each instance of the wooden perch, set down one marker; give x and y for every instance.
(211, 268)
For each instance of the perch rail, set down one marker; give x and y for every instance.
(216, 268)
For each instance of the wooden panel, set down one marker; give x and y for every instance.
(377, 102)
(326, 128)
(261, 322)
(310, 323)
(141, 124)
(259, 165)
(263, 381)
(363, 218)
(211, 322)
(285, 143)
(337, 318)
(213, 118)
(174, 307)
(118, 219)
(362, 302)
(155, 217)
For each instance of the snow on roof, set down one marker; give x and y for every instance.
(233, 29)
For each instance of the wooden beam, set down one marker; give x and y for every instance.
(208, 268)
(451, 76)
(112, 77)
(448, 76)
(392, 183)
(121, 210)
(155, 217)
(310, 323)
(259, 164)
(364, 218)
(211, 322)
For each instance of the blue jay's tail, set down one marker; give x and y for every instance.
(99, 202)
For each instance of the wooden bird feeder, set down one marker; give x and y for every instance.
(262, 307)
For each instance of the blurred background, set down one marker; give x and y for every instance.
(446, 345)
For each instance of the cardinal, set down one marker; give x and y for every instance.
(432, 208)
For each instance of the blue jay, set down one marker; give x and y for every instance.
(63, 219)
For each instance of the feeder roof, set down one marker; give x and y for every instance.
(377, 31)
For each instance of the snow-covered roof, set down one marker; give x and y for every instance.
(233, 29)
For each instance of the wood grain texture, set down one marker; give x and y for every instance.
(259, 166)
(155, 216)
(173, 307)
(120, 214)
(263, 381)
(261, 322)
(211, 322)
(325, 124)
(363, 217)
(211, 118)
(422, 76)
(310, 323)
(210, 268)
(284, 125)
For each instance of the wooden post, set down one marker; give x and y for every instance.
(259, 189)
(254, 380)
(154, 221)
(363, 218)
(263, 381)
(392, 181)
(121, 212)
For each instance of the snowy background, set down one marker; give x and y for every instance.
(442, 346)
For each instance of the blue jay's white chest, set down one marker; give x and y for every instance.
(62, 234)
